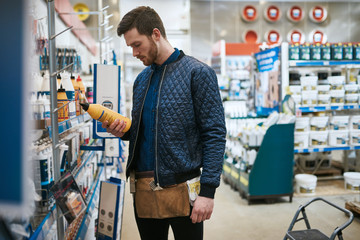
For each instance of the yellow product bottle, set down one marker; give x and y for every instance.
(77, 95)
(81, 85)
(101, 113)
(63, 113)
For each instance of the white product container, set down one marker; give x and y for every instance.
(352, 99)
(305, 183)
(309, 82)
(295, 90)
(297, 99)
(309, 98)
(339, 123)
(336, 80)
(351, 88)
(302, 124)
(323, 89)
(339, 138)
(323, 100)
(301, 139)
(319, 123)
(354, 138)
(337, 97)
(352, 180)
(318, 139)
(354, 122)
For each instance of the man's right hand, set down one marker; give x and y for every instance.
(116, 128)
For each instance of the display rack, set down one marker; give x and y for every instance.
(273, 167)
(319, 65)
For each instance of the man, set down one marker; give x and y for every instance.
(178, 128)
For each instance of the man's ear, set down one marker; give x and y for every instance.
(156, 34)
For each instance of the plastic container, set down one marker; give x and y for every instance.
(318, 139)
(352, 180)
(323, 89)
(354, 139)
(302, 124)
(301, 139)
(305, 183)
(336, 80)
(351, 88)
(309, 98)
(352, 99)
(339, 123)
(319, 123)
(339, 138)
(309, 82)
(337, 97)
(295, 90)
(323, 100)
(354, 122)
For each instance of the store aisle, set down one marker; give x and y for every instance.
(234, 219)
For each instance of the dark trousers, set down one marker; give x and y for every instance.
(158, 229)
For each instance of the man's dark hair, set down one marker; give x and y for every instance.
(144, 19)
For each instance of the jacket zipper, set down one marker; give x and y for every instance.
(156, 128)
(138, 126)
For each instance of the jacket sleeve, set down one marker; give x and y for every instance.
(210, 120)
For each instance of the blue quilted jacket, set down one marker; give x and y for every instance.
(189, 126)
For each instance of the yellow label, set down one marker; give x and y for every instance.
(244, 181)
(63, 113)
(227, 169)
(194, 187)
(234, 174)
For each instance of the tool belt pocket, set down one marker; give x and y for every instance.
(168, 202)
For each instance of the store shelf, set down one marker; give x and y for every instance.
(45, 226)
(324, 149)
(68, 124)
(327, 108)
(313, 63)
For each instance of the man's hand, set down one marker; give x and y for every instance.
(116, 128)
(202, 209)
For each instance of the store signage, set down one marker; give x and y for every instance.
(295, 14)
(318, 14)
(272, 13)
(106, 93)
(296, 36)
(249, 13)
(267, 93)
(273, 37)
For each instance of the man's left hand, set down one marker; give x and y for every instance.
(202, 210)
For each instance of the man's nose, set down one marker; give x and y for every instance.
(135, 52)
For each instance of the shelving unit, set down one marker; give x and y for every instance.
(320, 66)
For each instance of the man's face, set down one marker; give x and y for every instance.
(144, 48)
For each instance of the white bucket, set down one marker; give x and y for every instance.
(305, 183)
(352, 180)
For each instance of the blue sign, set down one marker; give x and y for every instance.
(267, 93)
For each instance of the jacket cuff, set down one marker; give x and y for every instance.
(207, 191)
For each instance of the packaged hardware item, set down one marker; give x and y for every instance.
(354, 122)
(294, 52)
(336, 82)
(348, 51)
(301, 139)
(337, 97)
(339, 138)
(68, 197)
(305, 52)
(351, 99)
(319, 139)
(337, 51)
(309, 82)
(339, 123)
(302, 124)
(354, 138)
(309, 98)
(323, 89)
(319, 123)
(323, 100)
(101, 113)
(315, 52)
(351, 88)
(356, 51)
(326, 51)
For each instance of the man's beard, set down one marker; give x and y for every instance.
(153, 52)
